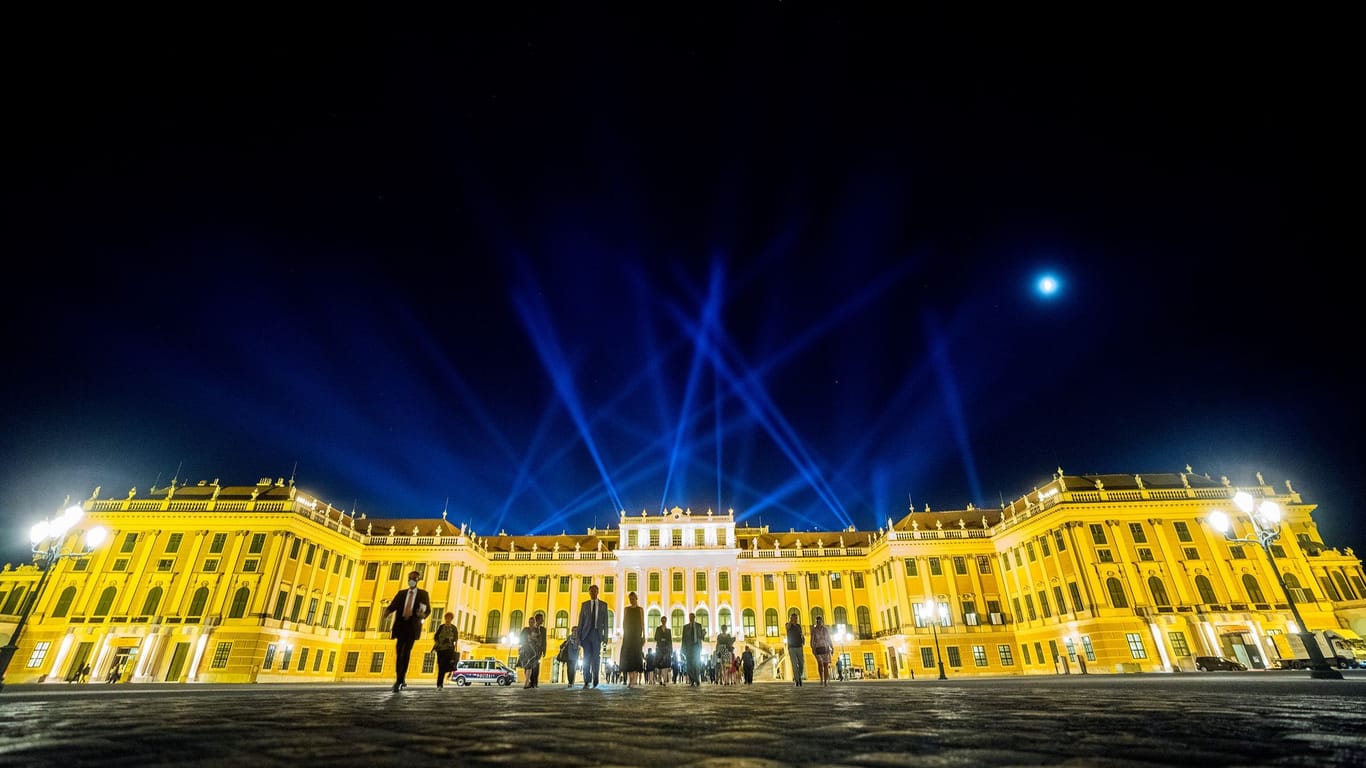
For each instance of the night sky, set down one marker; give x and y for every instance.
(776, 257)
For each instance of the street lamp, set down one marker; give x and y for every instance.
(47, 538)
(842, 636)
(935, 611)
(1266, 527)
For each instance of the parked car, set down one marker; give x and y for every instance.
(1218, 664)
(487, 671)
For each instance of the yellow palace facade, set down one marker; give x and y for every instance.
(1089, 573)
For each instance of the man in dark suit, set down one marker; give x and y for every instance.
(410, 607)
(591, 629)
(692, 649)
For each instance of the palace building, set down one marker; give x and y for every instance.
(1089, 573)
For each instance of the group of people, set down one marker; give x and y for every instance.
(585, 641)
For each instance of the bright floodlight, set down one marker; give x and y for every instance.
(95, 536)
(39, 532)
(1219, 521)
(1047, 285)
(1244, 501)
(70, 516)
(1271, 511)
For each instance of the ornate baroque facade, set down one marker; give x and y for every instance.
(1099, 573)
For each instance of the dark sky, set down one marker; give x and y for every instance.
(778, 257)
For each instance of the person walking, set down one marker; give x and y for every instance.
(821, 647)
(633, 641)
(444, 643)
(530, 651)
(664, 651)
(410, 607)
(569, 655)
(747, 665)
(692, 649)
(591, 630)
(724, 655)
(796, 648)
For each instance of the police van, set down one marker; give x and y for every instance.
(487, 670)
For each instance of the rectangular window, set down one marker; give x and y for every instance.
(631, 579)
(377, 662)
(1059, 541)
(1097, 534)
(1071, 648)
(211, 565)
(723, 581)
(250, 565)
(269, 661)
(1059, 600)
(220, 656)
(129, 542)
(960, 565)
(1044, 608)
(700, 581)
(746, 582)
(1005, 561)
(955, 658)
(1183, 531)
(428, 662)
(312, 610)
(564, 584)
(1029, 551)
(1007, 658)
(654, 537)
(217, 542)
(912, 569)
(443, 572)
(1024, 653)
(1136, 531)
(834, 579)
(768, 582)
(498, 583)
(677, 581)
(676, 537)
(36, 658)
(1105, 555)
(519, 584)
(362, 618)
(1237, 553)
(791, 579)
(1179, 645)
(609, 584)
(173, 543)
(1043, 545)
(699, 537)
(81, 564)
(294, 549)
(979, 655)
(166, 564)
(927, 658)
(585, 583)
(1019, 561)
(858, 579)
(318, 660)
(543, 584)
(1277, 551)
(284, 660)
(281, 600)
(1018, 613)
(327, 615)
(1038, 651)
(371, 571)
(1086, 644)
(120, 564)
(258, 543)
(1145, 554)
(396, 571)
(936, 569)
(983, 564)
(331, 660)
(298, 607)
(813, 581)
(1135, 641)
(352, 661)
(1029, 607)
(632, 537)
(1190, 553)
(1076, 596)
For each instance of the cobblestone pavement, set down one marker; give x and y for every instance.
(1211, 719)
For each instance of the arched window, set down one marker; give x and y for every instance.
(12, 604)
(64, 602)
(676, 622)
(841, 616)
(1254, 590)
(1159, 591)
(1117, 598)
(197, 603)
(771, 622)
(865, 621)
(240, 600)
(651, 624)
(1206, 590)
(723, 620)
(747, 621)
(494, 627)
(515, 623)
(816, 610)
(562, 624)
(702, 621)
(1343, 585)
(106, 601)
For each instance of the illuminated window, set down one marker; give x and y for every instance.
(352, 661)
(269, 661)
(979, 655)
(1007, 659)
(220, 656)
(377, 662)
(1179, 645)
(1135, 641)
(40, 648)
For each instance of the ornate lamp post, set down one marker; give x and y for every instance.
(1266, 528)
(935, 613)
(47, 538)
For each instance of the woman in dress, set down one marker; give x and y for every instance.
(725, 653)
(821, 648)
(664, 651)
(530, 651)
(633, 642)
